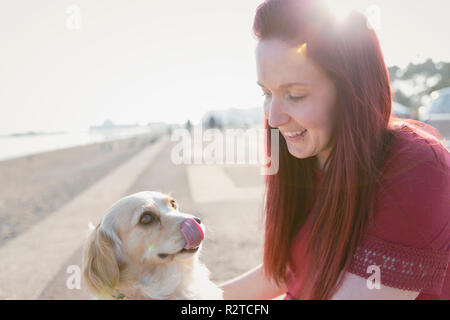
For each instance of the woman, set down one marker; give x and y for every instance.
(360, 205)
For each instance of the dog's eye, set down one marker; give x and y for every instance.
(173, 203)
(146, 219)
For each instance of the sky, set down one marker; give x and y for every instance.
(66, 65)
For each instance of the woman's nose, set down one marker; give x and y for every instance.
(277, 117)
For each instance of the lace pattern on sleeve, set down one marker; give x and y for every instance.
(401, 267)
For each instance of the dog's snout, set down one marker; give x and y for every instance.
(198, 220)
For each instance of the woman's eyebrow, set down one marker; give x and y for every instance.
(287, 85)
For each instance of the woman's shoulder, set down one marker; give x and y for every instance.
(413, 200)
(414, 149)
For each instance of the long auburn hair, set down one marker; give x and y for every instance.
(350, 54)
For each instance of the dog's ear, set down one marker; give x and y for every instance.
(100, 265)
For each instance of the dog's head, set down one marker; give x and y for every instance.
(141, 231)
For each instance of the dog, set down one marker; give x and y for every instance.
(146, 248)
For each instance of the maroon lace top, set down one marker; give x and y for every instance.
(409, 238)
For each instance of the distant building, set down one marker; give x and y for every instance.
(108, 124)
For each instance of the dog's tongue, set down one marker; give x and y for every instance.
(192, 232)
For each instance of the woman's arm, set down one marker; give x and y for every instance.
(356, 288)
(252, 285)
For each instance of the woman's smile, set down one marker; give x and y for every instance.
(295, 136)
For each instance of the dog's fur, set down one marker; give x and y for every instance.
(121, 256)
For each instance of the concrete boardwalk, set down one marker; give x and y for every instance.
(229, 198)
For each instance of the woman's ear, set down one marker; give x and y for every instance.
(100, 266)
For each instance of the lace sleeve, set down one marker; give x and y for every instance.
(401, 267)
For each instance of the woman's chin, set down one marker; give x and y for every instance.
(298, 151)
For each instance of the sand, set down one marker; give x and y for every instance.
(32, 187)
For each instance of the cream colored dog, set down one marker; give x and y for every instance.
(145, 248)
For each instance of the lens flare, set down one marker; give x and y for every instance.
(302, 49)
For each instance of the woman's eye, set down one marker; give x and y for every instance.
(146, 219)
(297, 98)
(265, 94)
(173, 203)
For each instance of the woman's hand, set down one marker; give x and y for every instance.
(252, 285)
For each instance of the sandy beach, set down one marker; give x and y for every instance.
(32, 187)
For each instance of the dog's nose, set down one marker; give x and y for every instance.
(192, 232)
(198, 220)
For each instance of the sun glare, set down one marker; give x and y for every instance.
(340, 9)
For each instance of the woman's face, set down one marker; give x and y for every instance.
(298, 96)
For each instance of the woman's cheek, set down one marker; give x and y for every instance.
(319, 117)
(312, 119)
